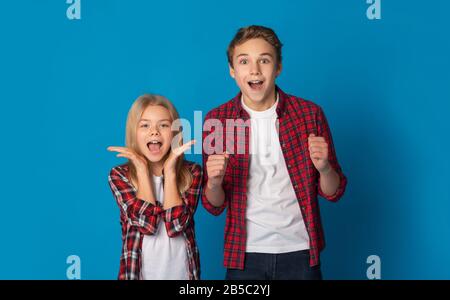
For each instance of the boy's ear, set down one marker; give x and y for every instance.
(231, 70)
(279, 68)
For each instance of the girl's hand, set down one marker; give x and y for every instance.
(138, 161)
(171, 161)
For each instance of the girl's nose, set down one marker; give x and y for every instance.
(154, 131)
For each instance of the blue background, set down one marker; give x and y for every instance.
(66, 87)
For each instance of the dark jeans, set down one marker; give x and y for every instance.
(284, 266)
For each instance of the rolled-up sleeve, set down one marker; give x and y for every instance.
(178, 218)
(138, 212)
(324, 131)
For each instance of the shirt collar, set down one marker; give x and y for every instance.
(282, 98)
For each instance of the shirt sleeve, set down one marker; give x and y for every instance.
(324, 131)
(138, 212)
(177, 218)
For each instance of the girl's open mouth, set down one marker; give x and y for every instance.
(154, 146)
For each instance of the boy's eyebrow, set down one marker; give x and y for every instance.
(262, 54)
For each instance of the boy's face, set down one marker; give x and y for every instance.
(154, 133)
(255, 69)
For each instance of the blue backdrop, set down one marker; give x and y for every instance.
(66, 87)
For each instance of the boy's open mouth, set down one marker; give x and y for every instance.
(154, 146)
(256, 84)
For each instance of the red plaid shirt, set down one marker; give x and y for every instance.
(139, 217)
(297, 119)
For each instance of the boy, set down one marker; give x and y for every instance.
(278, 157)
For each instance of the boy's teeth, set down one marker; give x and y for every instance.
(255, 83)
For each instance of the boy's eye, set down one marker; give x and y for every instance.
(243, 61)
(265, 61)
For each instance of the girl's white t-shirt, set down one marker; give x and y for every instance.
(163, 257)
(274, 220)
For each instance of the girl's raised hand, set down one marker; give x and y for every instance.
(139, 161)
(170, 163)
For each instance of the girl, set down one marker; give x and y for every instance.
(157, 193)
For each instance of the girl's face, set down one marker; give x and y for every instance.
(154, 133)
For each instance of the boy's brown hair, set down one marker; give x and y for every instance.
(254, 32)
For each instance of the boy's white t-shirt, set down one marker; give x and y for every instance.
(163, 257)
(274, 220)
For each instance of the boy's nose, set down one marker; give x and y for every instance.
(255, 70)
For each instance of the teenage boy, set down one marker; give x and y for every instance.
(278, 156)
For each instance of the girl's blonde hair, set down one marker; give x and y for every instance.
(183, 175)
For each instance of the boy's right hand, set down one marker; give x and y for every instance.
(216, 166)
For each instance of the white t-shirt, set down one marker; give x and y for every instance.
(274, 220)
(163, 257)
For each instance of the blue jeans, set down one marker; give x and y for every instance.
(284, 266)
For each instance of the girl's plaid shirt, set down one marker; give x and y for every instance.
(139, 217)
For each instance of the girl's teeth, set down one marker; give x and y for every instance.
(154, 147)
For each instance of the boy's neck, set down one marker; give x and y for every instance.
(263, 105)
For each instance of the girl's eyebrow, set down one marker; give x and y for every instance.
(151, 120)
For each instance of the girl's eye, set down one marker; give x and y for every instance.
(165, 125)
(144, 125)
